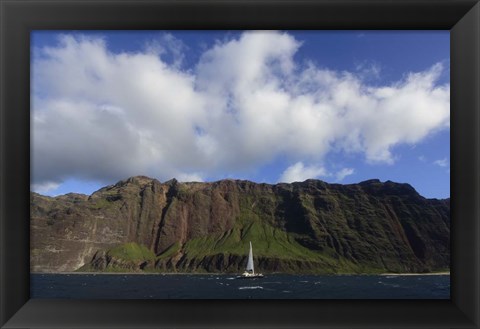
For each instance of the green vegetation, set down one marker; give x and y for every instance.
(170, 251)
(100, 204)
(132, 252)
(268, 242)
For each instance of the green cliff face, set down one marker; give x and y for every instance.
(140, 224)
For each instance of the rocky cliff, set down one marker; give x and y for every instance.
(140, 224)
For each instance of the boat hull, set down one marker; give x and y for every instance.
(254, 276)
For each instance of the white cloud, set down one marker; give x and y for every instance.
(340, 175)
(169, 48)
(368, 69)
(104, 116)
(298, 172)
(442, 163)
(44, 187)
(189, 177)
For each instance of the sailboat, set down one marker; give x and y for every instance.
(250, 271)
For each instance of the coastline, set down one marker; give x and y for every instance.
(413, 274)
(183, 273)
(129, 273)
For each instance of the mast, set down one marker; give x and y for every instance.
(250, 260)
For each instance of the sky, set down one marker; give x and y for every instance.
(265, 106)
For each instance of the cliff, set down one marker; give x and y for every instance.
(140, 224)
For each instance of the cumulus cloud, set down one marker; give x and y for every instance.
(169, 48)
(193, 177)
(340, 175)
(299, 172)
(104, 116)
(45, 187)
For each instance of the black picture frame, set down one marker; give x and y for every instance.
(19, 17)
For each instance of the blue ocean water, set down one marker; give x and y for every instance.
(213, 286)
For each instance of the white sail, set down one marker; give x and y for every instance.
(250, 272)
(250, 260)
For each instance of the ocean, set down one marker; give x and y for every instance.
(214, 286)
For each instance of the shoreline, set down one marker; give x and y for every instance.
(233, 274)
(413, 274)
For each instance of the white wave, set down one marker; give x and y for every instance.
(253, 287)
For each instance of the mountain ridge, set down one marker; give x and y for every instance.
(141, 224)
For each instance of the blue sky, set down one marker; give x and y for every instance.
(267, 106)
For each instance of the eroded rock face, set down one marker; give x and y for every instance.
(308, 227)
